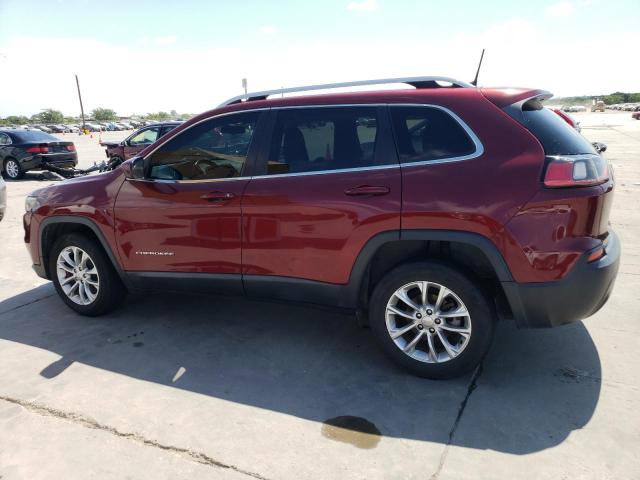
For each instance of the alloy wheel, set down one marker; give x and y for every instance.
(428, 322)
(12, 168)
(78, 275)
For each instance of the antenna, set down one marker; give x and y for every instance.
(475, 80)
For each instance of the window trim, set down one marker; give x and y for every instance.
(479, 147)
(261, 143)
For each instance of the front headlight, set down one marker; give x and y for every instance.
(31, 203)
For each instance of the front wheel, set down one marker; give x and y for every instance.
(432, 319)
(83, 275)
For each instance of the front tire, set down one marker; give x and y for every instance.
(432, 319)
(83, 276)
(12, 169)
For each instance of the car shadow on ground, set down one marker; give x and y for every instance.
(536, 386)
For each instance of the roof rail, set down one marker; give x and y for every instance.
(417, 82)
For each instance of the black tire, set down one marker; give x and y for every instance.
(482, 317)
(16, 168)
(111, 291)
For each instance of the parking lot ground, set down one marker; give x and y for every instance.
(176, 386)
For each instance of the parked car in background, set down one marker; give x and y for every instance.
(137, 141)
(599, 106)
(125, 126)
(72, 128)
(94, 127)
(43, 128)
(636, 115)
(3, 198)
(377, 202)
(58, 128)
(567, 118)
(24, 150)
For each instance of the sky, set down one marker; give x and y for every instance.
(146, 56)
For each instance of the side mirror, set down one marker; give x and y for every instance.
(137, 168)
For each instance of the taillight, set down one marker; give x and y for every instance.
(575, 171)
(38, 149)
(71, 148)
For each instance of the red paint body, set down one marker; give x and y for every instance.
(307, 227)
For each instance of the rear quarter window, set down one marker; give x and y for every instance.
(429, 134)
(556, 136)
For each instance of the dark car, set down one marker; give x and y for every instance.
(425, 211)
(24, 150)
(137, 141)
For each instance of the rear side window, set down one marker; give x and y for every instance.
(319, 139)
(556, 136)
(428, 133)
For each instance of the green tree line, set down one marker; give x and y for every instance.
(100, 114)
(611, 99)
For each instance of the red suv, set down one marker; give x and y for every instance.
(431, 212)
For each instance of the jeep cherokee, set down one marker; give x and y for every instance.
(430, 212)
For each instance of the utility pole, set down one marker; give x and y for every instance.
(80, 98)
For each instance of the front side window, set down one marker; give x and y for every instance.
(5, 139)
(427, 133)
(147, 136)
(213, 149)
(319, 139)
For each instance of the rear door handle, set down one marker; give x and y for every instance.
(218, 196)
(367, 190)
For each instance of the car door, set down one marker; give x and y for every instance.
(326, 183)
(140, 140)
(184, 217)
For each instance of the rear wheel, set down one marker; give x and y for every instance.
(83, 276)
(12, 169)
(432, 319)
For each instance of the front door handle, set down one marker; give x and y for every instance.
(367, 190)
(218, 196)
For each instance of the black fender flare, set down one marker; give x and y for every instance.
(57, 219)
(357, 276)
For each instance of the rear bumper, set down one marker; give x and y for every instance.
(579, 295)
(62, 160)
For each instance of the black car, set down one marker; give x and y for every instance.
(24, 150)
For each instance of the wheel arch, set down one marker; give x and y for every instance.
(467, 251)
(52, 228)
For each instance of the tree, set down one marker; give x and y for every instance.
(103, 114)
(70, 120)
(158, 116)
(50, 115)
(17, 120)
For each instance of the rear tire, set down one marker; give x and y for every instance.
(440, 334)
(83, 275)
(12, 169)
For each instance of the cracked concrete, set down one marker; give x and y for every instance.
(87, 422)
(225, 388)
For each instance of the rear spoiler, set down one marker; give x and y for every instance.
(503, 97)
